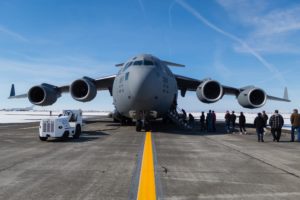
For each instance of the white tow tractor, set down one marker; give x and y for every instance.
(67, 124)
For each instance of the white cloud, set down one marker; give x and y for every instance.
(270, 45)
(12, 34)
(278, 21)
(142, 5)
(61, 70)
(220, 68)
(234, 38)
(271, 30)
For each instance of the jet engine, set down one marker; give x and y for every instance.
(83, 89)
(252, 98)
(43, 95)
(209, 91)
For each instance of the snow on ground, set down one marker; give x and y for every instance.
(35, 116)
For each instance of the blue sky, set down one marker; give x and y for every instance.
(238, 43)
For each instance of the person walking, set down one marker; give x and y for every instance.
(259, 124)
(232, 121)
(242, 123)
(295, 122)
(214, 119)
(202, 122)
(227, 121)
(276, 122)
(266, 117)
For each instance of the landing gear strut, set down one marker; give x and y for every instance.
(142, 124)
(138, 125)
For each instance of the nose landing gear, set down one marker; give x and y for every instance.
(142, 124)
(139, 125)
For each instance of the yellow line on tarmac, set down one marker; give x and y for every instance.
(147, 188)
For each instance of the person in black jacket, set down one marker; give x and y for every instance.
(227, 121)
(214, 119)
(259, 124)
(232, 120)
(191, 120)
(242, 123)
(266, 117)
(209, 121)
(202, 122)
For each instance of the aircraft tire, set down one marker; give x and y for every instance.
(123, 122)
(43, 138)
(138, 126)
(65, 135)
(147, 126)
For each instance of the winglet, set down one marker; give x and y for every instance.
(12, 91)
(286, 95)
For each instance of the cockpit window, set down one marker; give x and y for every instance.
(138, 62)
(148, 62)
(127, 65)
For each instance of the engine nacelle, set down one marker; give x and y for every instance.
(43, 95)
(252, 98)
(83, 89)
(209, 91)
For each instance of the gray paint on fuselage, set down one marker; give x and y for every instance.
(144, 88)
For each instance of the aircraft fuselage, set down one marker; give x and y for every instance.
(144, 88)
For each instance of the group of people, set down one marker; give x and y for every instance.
(230, 122)
(276, 123)
(208, 123)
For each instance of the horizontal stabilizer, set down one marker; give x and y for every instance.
(119, 65)
(285, 96)
(172, 64)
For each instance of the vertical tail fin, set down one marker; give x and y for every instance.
(12, 91)
(286, 95)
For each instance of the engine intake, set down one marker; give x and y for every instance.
(252, 98)
(209, 91)
(43, 95)
(83, 89)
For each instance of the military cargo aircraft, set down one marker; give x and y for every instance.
(146, 89)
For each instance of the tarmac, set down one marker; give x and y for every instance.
(105, 163)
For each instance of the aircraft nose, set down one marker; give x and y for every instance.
(144, 84)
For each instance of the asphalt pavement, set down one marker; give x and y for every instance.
(105, 163)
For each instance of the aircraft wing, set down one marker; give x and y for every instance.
(103, 83)
(189, 84)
